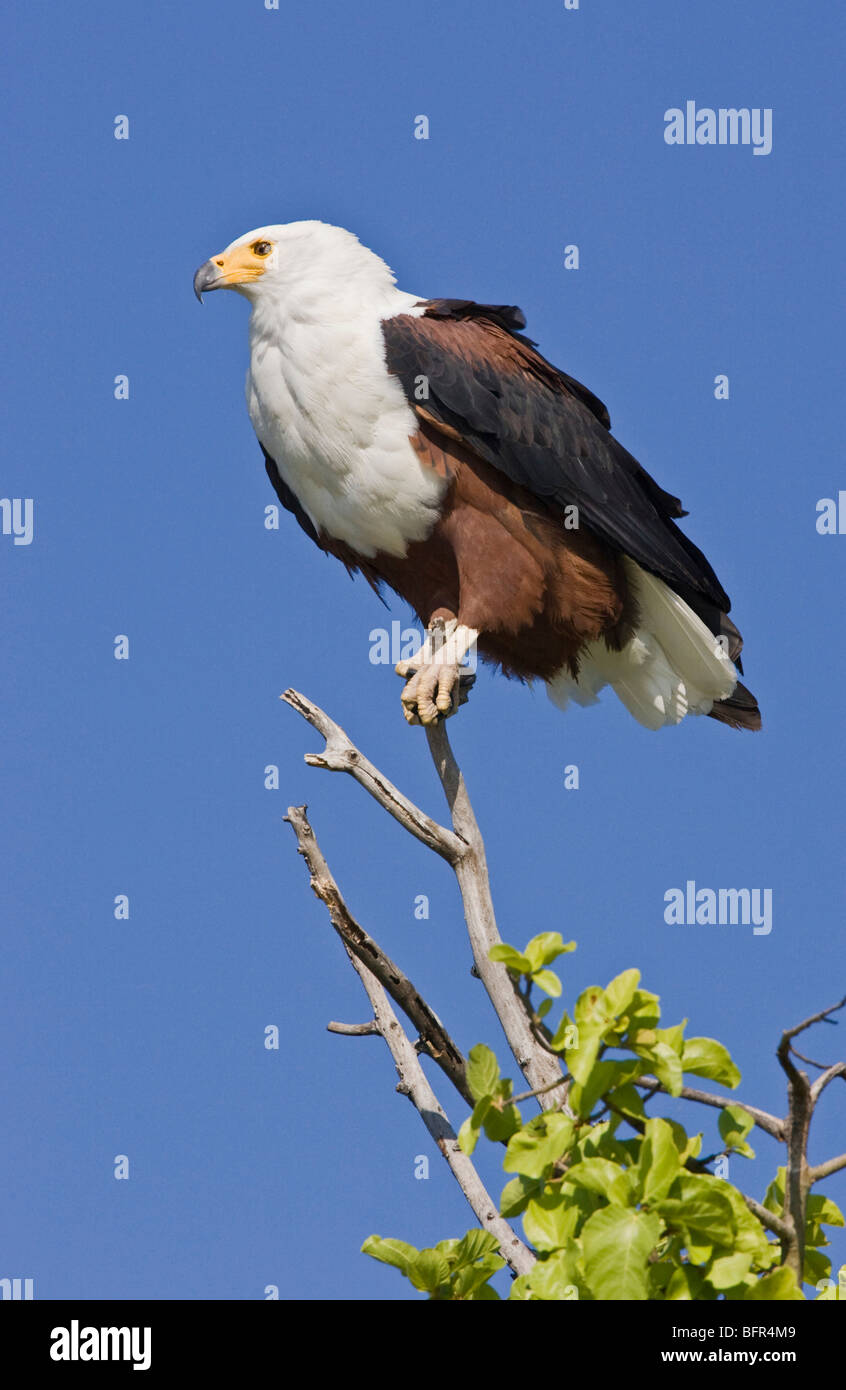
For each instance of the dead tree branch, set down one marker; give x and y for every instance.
(341, 755)
(412, 1079)
(463, 849)
(771, 1124)
(434, 1037)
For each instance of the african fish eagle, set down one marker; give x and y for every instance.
(429, 446)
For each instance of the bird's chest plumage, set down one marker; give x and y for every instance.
(338, 426)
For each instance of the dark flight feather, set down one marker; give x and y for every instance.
(546, 432)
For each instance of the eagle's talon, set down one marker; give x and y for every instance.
(435, 692)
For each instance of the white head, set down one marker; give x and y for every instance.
(305, 263)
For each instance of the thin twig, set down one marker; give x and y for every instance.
(839, 1069)
(434, 1036)
(821, 1066)
(769, 1123)
(341, 755)
(824, 1016)
(825, 1170)
(531, 1095)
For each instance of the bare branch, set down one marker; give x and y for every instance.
(463, 848)
(412, 1079)
(784, 1048)
(414, 1084)
(531, 1095)
(825, 1170)
(821, 1066)
(769, 1123)
(773, 1223)
(824, 1016)
(341, 755)
(356, 1030)
(434, 1036)
(839, 1069)
(797, 1124)
(540, 1069)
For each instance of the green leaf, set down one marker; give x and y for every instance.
(521, 1290)
(496, 1115)
(665, 1062)
(700, 1209)
(390, 1252)
(520, 964)
(734, 1125)
(566, 1034)
(516, 1194)
(592, 1008)
(823, 1210)
(659, 1161)
(544, 1007)
(429, 1272)
(779, 1286)
(547, 947)
(673, 1037)
(486, 1294)
(627, 1099)
(774, 1196)
(688, 1145)
(726, 1271)
(602, 1176)
(621, 991)
(550, 1220)
(684, 1285)
(750, 1236)
(617, 1243)
(706, 1057)
(538, 1144)
(600, 1079)
(468, 1135)
(582, 1057)
(556, 1279)
(548, 981)
(644, 1011)
(470, 1283)
(482, 1071)
(816, 1268)
(474, 1246)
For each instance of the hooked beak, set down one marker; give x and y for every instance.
(207, 278)
(230, 269)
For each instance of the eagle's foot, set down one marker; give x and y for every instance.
(434, 692)
(436, 682)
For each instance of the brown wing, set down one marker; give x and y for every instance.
(488, 385)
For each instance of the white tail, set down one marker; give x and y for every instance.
(671, 667)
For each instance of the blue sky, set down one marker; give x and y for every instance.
(145, 777)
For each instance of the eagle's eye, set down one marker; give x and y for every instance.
(261, 248)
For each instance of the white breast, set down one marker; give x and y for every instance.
(337, 424)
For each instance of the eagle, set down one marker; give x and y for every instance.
(427, 445)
